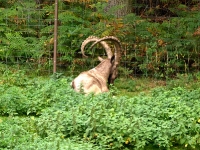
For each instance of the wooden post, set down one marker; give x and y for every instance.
(55, 36)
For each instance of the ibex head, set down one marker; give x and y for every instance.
(102, 41)
(96, 79)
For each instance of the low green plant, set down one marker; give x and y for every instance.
(47, 113)
(190, 81)
(20, 133)
(164, 119)
(23, 95)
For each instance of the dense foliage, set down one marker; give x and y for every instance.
(45, 113)
(158, 38)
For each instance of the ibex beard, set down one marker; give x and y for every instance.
(95, 80)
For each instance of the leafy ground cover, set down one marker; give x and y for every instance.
(45, 113)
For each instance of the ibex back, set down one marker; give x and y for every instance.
(94, 80)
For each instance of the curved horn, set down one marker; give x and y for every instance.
(117, 44)
(95, 39)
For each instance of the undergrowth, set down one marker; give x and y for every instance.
(45, 113)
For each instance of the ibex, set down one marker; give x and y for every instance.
(95, 80)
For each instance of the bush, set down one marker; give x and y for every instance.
(164, 119)
(43, 110)
(20, 133)
(162, 49)
(49, 113)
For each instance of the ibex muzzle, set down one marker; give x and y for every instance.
(95, 80)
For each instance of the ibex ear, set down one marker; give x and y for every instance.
(100, 58)
(112, 59)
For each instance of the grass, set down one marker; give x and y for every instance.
(134, 86)
(128, 86)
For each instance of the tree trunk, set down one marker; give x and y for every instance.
(126, 9)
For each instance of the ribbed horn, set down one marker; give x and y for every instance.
(117, 44)
(95, 39)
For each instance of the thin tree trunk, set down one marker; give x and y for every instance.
(127, 7)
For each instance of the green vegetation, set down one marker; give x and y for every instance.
(160, 109)
(45, 113)
(159, 40)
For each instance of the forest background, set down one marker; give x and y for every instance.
(160, 38)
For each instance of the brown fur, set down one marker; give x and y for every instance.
(96, 79)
